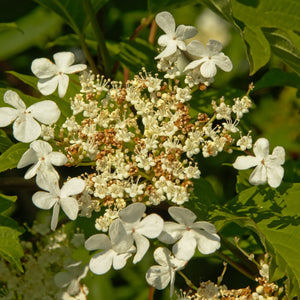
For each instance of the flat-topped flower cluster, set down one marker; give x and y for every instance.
(139, 141)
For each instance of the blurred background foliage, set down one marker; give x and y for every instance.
(263, 45)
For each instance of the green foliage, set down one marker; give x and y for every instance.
(156, 6)
(34, 30)
(10, 158)
(10, 248)
(5, 141)
(72, 12)
(264, 26)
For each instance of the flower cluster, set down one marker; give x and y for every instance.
(138, 143)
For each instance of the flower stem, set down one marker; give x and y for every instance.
(144, 24)
(188, 281)
(99, 36)
(235, 264)
(151, 293)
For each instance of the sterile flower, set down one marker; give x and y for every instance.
(71, 277)
(25, 128)
(150, 226)
(160, 276)
(190, 234)
(268, 166)
(41, 156)
(116, 250)
(173, 39)
(52, 75)
(210, 57)
(56, 197)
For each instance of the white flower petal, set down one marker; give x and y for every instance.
(163, 40)
(182, 215)
(57, 158)
(168, 51)
(63, 82)
(185, 32)
(222, 61)
(245, 162)
(214, 47)
(98, 241)
(202, 225)
(41, 147)
(259, 175)
(132, 212)
(208, 69)
(7, 116)
(43, 68)
(63, 60)
(119, 260)
(166, 22)
(142, 246)
(194, 64)
(13, 99)
(207, 243)
(72, 187)
(185, 248)
(261, 148)
(70, 206)
(29, 157)
(102, 262)
(162, 256)
(46, 111)
(31, 172)
(47, 178)
(277, 157)
(275, 174)
(26, 129)
(196, 48)
(43, 200)
(120, 239)
(171, 232)
(158, 277)
(151, 226)
(48, 86)
(75, 68)
(55, 215)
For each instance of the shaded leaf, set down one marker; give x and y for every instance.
(35, 29)
(10, 158)
(5, 141)
(10, 248)
(155, 6)
(8, 26)
(6, 202)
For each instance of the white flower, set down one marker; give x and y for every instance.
(268, 166)
(71, 277)
(211, 56)
(25, 128)
(41, 156)
(52, 75)
(173, 39)
(150, 226)
(200, 234)
(115, 252)
(56, 197)
(160, 276)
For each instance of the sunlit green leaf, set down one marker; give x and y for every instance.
(8, 26)
(6, 202)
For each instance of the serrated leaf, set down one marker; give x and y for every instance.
(10, 158)
(276, 213)
(137, 54)
(5, 141)
(35, 29)
(6, 202)
(10, 248)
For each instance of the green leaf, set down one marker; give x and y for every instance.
(276, 213)
(35, 29)
(28, 79)
(72, 12)
(10, 158)
(137, 54)
(6, 202)
(5, 141)
(10, 248)
(277, 77)
(155, 6)
(8, 26)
